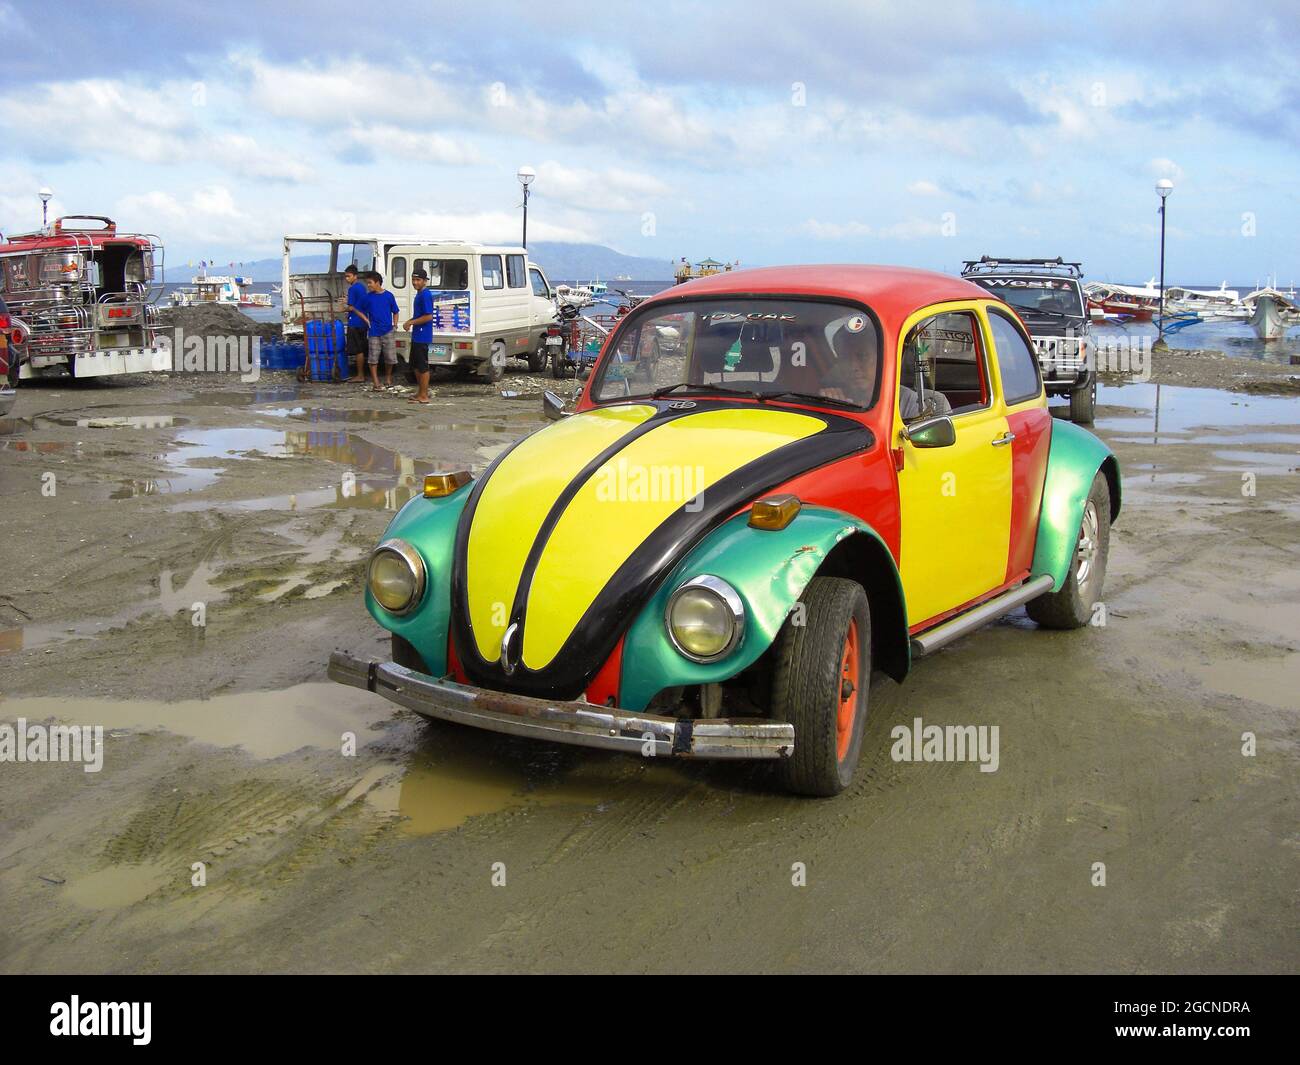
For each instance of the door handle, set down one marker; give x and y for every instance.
(1003, 440)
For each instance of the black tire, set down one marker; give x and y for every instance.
(493, 368)
(405, 654)
(1083, 403)
(1071, 607)
(808, 685)
(537, 360)
(558, 369)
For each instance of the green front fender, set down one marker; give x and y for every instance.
(428, 525)
(769, 570)
(1073, 460)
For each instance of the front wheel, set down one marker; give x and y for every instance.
(1083, 403)
(1071, 607)
(820, 684)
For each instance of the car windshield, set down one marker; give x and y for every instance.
(1044, 295)
(776, 347)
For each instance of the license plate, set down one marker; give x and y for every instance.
(440, 351)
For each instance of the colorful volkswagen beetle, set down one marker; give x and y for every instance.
(776, 482)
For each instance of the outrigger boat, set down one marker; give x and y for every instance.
(1218, 304)
(1272, 313)
(87, 295)
(1139, 303)
(224, 291)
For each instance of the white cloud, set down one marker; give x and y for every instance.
(614, 189)
(924, 188)
(835, 230)
(423, 146)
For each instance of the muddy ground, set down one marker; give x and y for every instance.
(1120, 744)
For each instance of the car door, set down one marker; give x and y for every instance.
(1020, 386)
(954, 500)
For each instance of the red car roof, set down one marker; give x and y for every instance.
(893, 292)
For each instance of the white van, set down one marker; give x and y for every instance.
(490, 303)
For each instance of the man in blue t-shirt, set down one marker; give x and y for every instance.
(358, 323)
(421, 326)
(381, 312)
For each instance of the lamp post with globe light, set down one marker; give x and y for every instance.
(1164, 187)
(526, 177)
(46, 195)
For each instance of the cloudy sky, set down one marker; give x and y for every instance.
(899, 132)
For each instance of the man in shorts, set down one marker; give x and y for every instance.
(358, 323)
(381, 310)
(421, 329)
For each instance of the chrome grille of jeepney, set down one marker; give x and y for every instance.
(1060, 357)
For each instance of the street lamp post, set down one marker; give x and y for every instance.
(1164, 187)
(46, 195)
(526, 176)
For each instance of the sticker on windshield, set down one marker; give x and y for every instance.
(856, 324)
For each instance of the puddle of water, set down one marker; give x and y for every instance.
(1174, 409)
(267, 724)
(384, 479)
(119, 885)
(202, 586)
(1232, 338)
(1262, 461)
(135, 421)
(328, 415)
(434, 798)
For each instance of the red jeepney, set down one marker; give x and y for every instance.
(87, 296)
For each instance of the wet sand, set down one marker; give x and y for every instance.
(1120, 744)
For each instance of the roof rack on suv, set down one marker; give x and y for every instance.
(990, 264)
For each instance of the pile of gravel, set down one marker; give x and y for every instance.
(216, 320)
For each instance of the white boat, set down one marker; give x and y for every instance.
(224, 291)
(574, 295)
(1272, 313)
(1221, 303)
(598, 289)
(1139, 302)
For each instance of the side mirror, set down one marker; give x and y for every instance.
(553, 406)
(931, 432)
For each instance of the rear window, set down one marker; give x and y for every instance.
(800, 350)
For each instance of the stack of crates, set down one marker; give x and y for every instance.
(326, 349)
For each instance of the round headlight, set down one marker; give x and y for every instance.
(396, 576)
(705, 618)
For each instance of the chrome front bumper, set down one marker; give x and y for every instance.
(580, 723)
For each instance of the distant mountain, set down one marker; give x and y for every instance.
(560, 260)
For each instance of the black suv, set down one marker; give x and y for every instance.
(1048, 295)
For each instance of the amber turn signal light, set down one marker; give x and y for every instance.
(437, 485)
(774, 512)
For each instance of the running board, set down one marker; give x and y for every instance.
(991, 610)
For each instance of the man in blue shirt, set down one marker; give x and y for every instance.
(421, 326)
(381, 311)
(357, 320)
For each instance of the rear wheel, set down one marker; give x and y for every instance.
(495, 367)
(820, 685)
(537, 359)
(1071, 607)
(558, 369)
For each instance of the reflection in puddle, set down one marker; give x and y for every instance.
(1176, 409)
(267, 724)
(330, 415)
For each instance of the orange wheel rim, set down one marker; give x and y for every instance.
(848, 707)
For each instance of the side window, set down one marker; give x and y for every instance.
(516, 275)
(539, 284)
(492, 271)
(942, 369)
(398, 272)
(1017, 363)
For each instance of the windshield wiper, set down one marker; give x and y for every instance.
(815, 397)
(1044, 310)
(659, 393)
